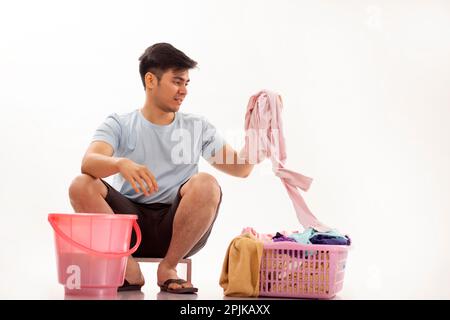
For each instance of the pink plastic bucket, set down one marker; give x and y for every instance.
(295, 270)
(92, 251)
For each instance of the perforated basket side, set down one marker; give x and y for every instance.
(302, 271)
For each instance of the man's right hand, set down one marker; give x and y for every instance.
(137, 175)
(99, 162)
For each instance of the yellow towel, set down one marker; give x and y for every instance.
(240, 270)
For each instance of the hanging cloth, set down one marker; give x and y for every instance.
(265, 139)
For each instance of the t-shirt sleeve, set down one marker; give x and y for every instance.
(109, 131)
(212, 140)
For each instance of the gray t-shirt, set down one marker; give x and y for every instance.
(171, 152)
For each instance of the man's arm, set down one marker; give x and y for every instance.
(98, 162)
(227, 160)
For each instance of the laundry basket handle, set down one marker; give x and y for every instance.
(95, 252)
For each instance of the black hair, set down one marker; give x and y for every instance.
(161, 57)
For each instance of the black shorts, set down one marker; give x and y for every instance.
(155, 221)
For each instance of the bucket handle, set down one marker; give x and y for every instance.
(95, 252)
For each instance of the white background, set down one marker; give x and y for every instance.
(365, 86)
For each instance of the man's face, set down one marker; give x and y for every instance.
(171, 90)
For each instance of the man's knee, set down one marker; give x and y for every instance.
(206, 187)
(85, 185)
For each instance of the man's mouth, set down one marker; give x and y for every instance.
(179, 100)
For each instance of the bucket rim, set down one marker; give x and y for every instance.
(52, 219)
(94, 215)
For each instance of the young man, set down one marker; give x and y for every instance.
(154, 152)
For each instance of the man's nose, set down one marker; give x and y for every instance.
(182, 90)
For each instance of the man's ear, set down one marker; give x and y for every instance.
(150, 80)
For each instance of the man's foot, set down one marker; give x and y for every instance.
(134, 279)
(166, 286)
(169, 281)
(129, 287)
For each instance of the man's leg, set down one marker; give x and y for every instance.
(200, 198)
(87, 195)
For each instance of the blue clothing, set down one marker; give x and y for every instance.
(171, 152)
(330, 239)
(303, 237)
(312, 236)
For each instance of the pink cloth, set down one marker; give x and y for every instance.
(264, 139)
(265, 237)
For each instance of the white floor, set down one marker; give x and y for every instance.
(207, 282)
(366, 277)
(208, 290)
(151, 292)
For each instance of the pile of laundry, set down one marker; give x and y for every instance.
(309, 236)
(265, 139)
(241, 265)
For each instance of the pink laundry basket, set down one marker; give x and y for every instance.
(294, 270)
(92, 251)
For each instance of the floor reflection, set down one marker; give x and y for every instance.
(135, 295)
(131, 295)
(82, 297)
(161, 295)
(125, 295)
(174, 296)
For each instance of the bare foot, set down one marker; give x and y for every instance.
(133, 272)
(166, 272)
